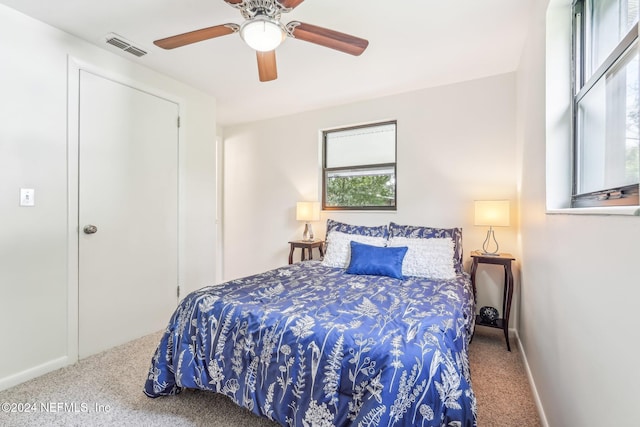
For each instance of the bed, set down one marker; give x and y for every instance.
(334, 342)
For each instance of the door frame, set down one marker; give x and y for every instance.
(74, 67)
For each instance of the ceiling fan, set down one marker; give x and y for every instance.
(263, 31)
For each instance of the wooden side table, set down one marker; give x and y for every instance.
(306, 245)
(504, 260)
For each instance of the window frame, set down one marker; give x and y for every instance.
(326, 170)
(626, 195)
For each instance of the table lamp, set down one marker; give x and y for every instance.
(492, 213)
(307, 212)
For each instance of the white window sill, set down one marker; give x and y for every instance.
(608, 210)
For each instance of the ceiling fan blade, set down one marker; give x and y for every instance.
(196, 36)
(290, 4)
(328, 38)
(267, 69)
(233, 1)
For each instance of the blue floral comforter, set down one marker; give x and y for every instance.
(307, 345)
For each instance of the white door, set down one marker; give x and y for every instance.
(128, 191)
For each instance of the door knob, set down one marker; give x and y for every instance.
(90, 229)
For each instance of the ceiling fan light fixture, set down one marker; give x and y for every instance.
(262, 33)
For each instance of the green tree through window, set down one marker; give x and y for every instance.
(360, 191)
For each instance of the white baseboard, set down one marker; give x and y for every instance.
(36, 371)
(534, 390)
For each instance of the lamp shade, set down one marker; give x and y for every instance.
(308, 211)
(262, 33)
(493, 213)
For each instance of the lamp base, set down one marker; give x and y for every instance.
(489, 253)
(308, 233)
(487, 243)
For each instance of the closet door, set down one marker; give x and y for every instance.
(127, 213)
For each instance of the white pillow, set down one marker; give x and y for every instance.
(432, 258)
(338, 252)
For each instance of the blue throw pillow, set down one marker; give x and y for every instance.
(376, 260)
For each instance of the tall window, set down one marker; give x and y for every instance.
(359, 167)
(605, 106)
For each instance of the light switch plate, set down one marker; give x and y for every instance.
(27, 197)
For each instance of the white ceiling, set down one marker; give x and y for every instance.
(413, 44)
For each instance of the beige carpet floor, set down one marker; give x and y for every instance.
(106, 390)
(500, 382)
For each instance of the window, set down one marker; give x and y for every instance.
(606, 167)
(359, 167)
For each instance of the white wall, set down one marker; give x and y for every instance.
(33, 154)
(455, 143)
(578, 319)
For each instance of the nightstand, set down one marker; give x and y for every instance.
(306, 245)
(504, 260)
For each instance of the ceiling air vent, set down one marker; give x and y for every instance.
(124, 44)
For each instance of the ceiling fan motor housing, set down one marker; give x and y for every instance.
(252, 8)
